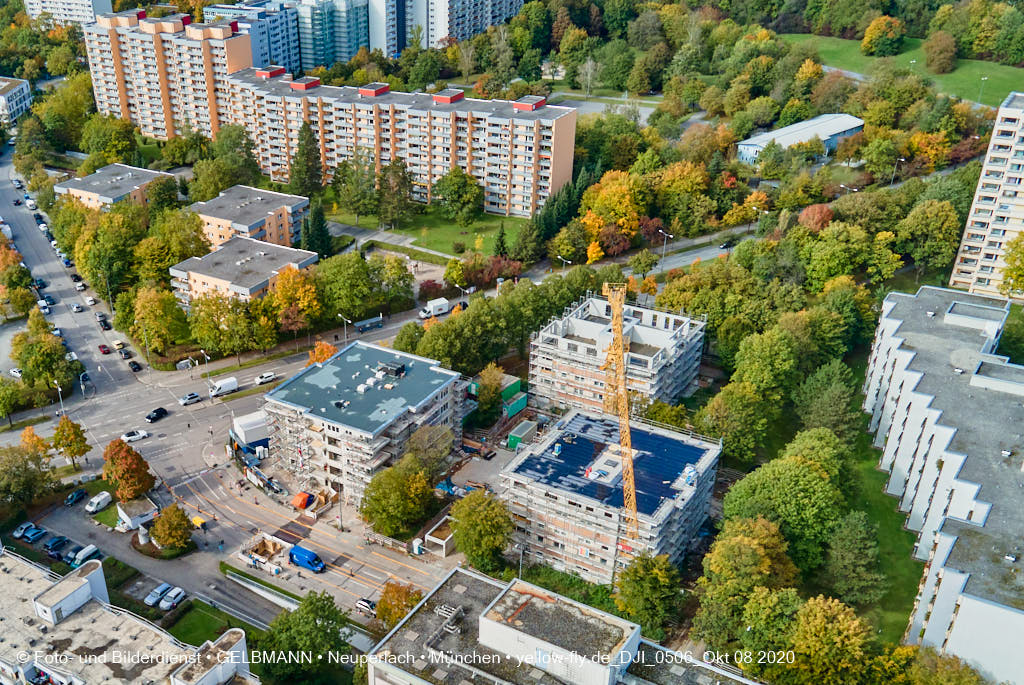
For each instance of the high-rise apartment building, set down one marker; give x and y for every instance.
(520, 152)
(459, 19)
(997, 213)
(946, 410)
(15, 98)
(272, 26)
(331, 30)
(63, 12)
(253, 213)
(164, 74)
(567, 354)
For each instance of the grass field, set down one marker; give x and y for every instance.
(203, 622)
(434, 232)
(964, 81)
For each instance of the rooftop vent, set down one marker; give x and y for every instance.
(931, 315)
(958, 371)
(361, 388)
(1010, 558)
(1007, 453)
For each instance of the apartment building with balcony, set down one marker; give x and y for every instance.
(339, 422)
(997, 212)
(272, 27)
(62, 12)
(471, 628)
(520, 152)
(946, 412)
(241, 268)
(111, 184)
(254, 213)
(566, 498)
(459, 19)
(566, 355)
(166, 73)
(64, 630)
(331, 30)
(15, 98)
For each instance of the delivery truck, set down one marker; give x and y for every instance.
(435, 307)
(224, 386)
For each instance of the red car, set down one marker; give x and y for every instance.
(104, 349)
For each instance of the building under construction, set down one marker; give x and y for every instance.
(566, 494)
(567, 354)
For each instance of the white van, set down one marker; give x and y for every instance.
(98, 502)
(87, 553)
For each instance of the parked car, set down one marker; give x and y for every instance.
(85, 378)
(45, 310)
(67, 263)
(125, 354)
(89, 552)
(90, 300)
(17, 201)
(100, 316)
(189, 398)
(118, 344)
(39, 283)
(74, 497)
(156, 594)
(366, 607)
(75, 278)
(69, 556)
(134, 365)
(34, 535)
(55, 543)
(729, 242)
(105, 325)
(267, 377)
(172, 599)
(22, 529)
(80, 286)
(98, 502)
(77, 308)
(104, 349)
(50, 300)
(58, 332)
(15, 372)
(156, 415)
(133, 435)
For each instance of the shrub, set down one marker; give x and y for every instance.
(458, 247)
(883, 37)
(940, 52)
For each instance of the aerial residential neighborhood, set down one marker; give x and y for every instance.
(444, 342)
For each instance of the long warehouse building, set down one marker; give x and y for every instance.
(163, 74)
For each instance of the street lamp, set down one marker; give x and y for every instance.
(664, 243)
(347, 322)
(81, 381)
(60, 396)
(848, 188)
(110, 300)
(206, 357)
(981, 88)
(894, 168)
(521, 548)
(192, 363)
(564, 262)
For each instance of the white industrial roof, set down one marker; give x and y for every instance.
(822, 126)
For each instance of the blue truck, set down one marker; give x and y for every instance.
(300, 556)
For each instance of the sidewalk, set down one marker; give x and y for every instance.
(364, 234)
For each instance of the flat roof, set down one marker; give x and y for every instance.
(246, 207)
(823, 126)
(112, 182)
(330, 390)
(420, 646)
(279, 86)
(987, 421)
(7, 84)
(246, 263)
(1014, 100)
(582, 445)
(91, 629)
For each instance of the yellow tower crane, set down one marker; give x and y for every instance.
(616, 401)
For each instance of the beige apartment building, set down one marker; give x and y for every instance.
(241, 267)
(253, 213)
(997, 213)
(111, 184)
(163, 74)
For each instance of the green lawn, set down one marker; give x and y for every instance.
(203, 622)
(24, 423)
(148, 148)
(434, 232)
(964, 81)
(1012, 341)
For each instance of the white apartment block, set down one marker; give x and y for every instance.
(566, 355)
(997, 213)
(459, 19)
(163, 74)
(51, 624)
(946, 412)
(565, 494)
(519, 152)
(15, 98)
(273, 29)
(339, 422)
(63, 12)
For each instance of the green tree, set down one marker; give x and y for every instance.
(69, 439)
(159, 321)
(394, 194)
(392, 280)
(643, 262)
(1013, 272)
(234, 149)
(880, 157)
(426, 69)
(489, 394)
(482, 528)
(459, 196)
(346, 285)
(315, 236)
(317, 626)
(649, 592)
(126, 470)
(40, 355)
(883, 37)
(851, 566)
(210, 177)
(409, 337)
(940, 52)
(25, 475)
(930, 235)
(397, 497)
(500, 248)
(162, 193)
(354, 184)
(10, 397)
(61, 61)
(770, 617)
(826, 399)
(768, 361)
(110, 139)
(22, 300)
(737, 415)
(396, 600)
(796, 495)
(174, 236)
(454, 272)
(172, 529)
(306, 173)
(829, 642)
(219, 324)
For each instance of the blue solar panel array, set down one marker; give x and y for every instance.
(658, 459)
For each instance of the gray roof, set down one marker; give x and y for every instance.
(246, 206)
(7, 84)
(1015, 100)
(823, 126)
(248, 264)
(280, 87)
(330, 390)
(987, 421)
(112, 182)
